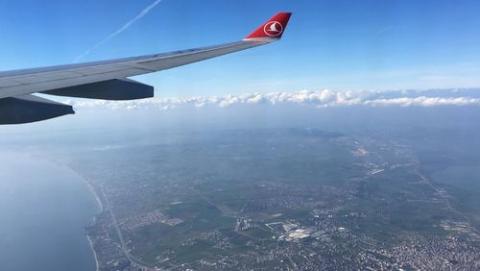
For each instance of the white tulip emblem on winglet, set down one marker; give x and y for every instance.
(273, 29)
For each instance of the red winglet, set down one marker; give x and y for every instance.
(273, 28)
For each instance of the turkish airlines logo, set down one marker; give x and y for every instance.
(273, 29)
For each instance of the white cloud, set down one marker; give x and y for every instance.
(322, 98)
(425, 101)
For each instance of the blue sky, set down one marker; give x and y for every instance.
(332, 44)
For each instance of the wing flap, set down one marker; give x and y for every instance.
(30, 108)
(116, 90)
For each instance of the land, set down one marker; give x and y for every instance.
(281, 199)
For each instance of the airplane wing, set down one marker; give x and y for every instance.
(107, 80)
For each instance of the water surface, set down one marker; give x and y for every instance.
(44, 208)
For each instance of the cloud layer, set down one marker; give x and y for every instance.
(320, 99)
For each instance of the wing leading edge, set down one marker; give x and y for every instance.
(106, 79)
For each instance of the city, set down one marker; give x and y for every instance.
(360, 203)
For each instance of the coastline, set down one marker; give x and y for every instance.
(95, 195)
(97, 265)
(99, 202)
(100, 206)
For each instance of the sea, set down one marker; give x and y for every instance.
(44, 208)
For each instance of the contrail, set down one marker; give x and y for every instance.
(127, 25)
